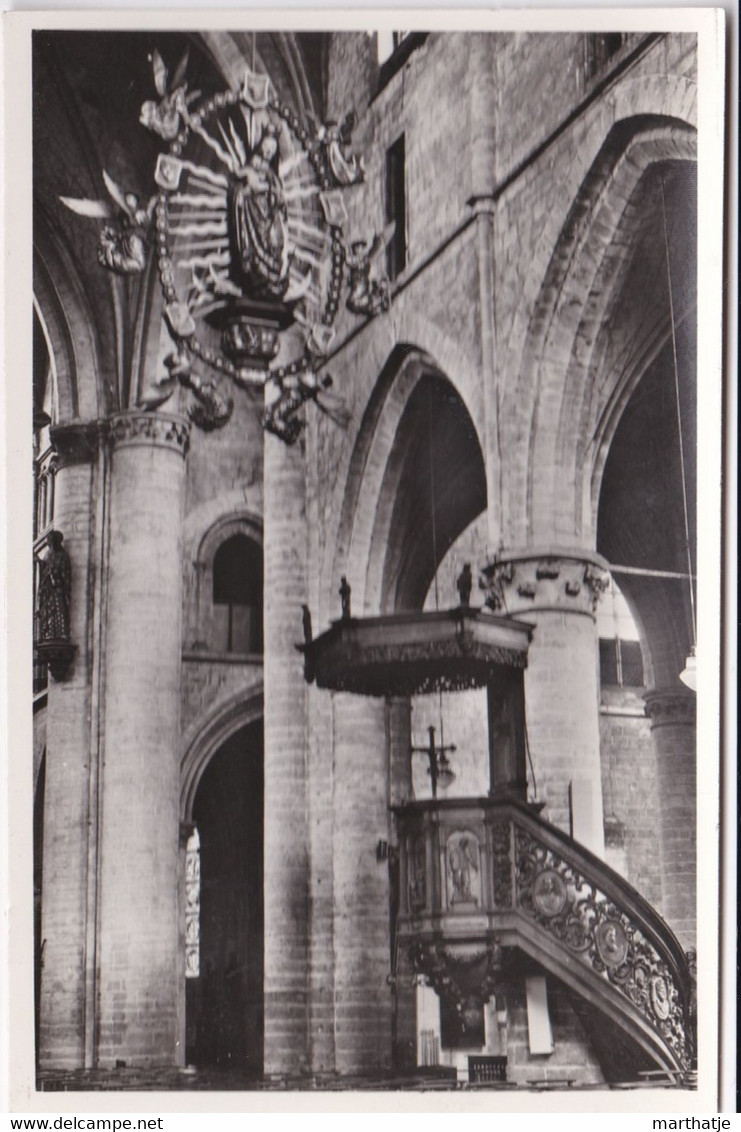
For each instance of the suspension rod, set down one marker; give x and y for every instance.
(650, 573)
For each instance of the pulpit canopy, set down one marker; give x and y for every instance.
(407, 654)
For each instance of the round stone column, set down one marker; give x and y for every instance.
(286, 840)
(404, 1033)
(363, 997)
(558, 594)
(138, 913)
(67, 797)
(672, 715)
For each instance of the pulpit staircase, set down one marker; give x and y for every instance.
(486, 887)
(483, 880)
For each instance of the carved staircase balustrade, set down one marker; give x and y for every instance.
(481, 876)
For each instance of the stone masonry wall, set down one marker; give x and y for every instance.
(571, 1058)
(630, 789)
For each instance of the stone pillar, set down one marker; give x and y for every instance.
(557, 593)
(400, 746)
(286, 869)
(507, 755)
(483, 176)
(363, 997)
(399, 721)
(138, 911)
(62, 1028)
(672, 715)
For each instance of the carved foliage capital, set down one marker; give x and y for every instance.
(670, 707)
(544, 581)
(149, 429)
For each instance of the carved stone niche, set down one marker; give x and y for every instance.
(541, 580)
(463, 870)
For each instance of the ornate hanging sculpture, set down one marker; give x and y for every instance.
(249, 222)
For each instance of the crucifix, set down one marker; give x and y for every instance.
(440, 768)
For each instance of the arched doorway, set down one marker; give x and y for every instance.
(224, 1004)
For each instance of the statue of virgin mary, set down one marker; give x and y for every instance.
(257, 213)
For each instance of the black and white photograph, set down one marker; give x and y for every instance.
(372, 560)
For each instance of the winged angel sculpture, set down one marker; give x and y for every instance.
(164, 117)
(122, 244)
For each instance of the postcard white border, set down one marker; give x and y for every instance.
(709, 25)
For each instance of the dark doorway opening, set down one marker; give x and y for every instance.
(224, 1005)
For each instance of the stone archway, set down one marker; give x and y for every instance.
(591, 334)
(222, 798)
(224, 1004)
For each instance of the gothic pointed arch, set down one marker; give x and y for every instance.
(600, 318)
(69, 330)
(416, 421)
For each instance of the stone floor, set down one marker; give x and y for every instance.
(215, 1080)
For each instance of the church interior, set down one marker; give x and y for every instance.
(364, 402)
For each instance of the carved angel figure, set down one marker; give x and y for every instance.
(163, 117)
(122, 246)
(346, 167)
(281, 416)
(367, 295)
(211, 409)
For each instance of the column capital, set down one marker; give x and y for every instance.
(534, 580)
(138, 428)
(669, 706)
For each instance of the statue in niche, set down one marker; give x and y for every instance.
(418, 879)
(462, 862)
(55, 587)
(258, 216)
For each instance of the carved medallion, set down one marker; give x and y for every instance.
(549, 893)
(612, 943)
(660, 997)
